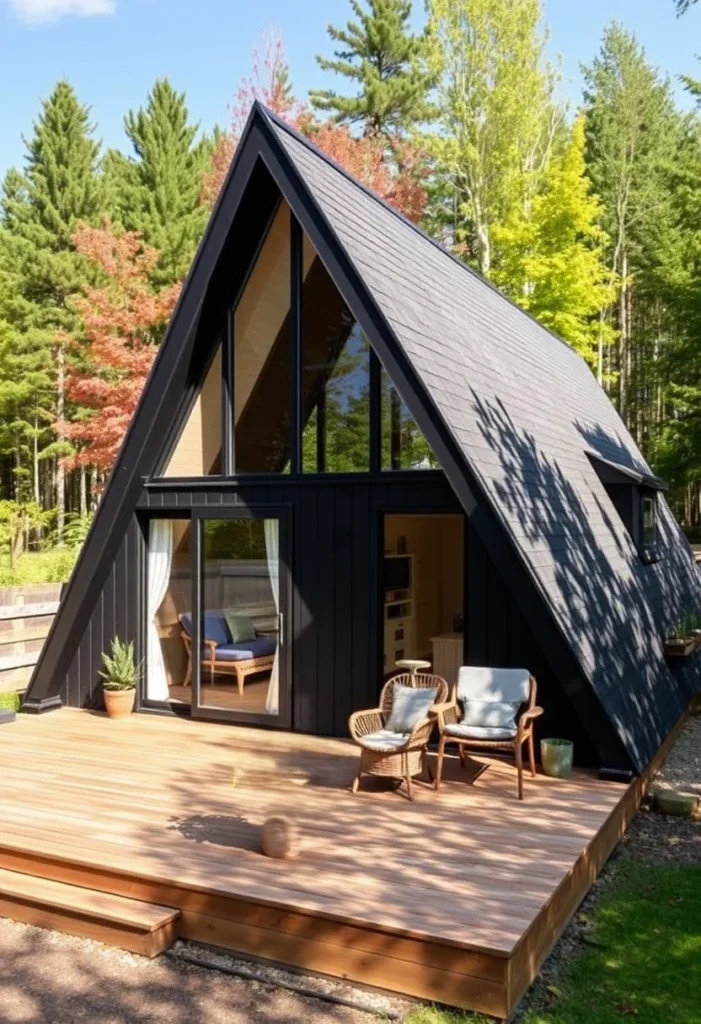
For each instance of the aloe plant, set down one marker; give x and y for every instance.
(120, 671)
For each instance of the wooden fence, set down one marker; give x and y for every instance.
(26, 614)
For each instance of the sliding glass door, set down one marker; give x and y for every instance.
(240, 615)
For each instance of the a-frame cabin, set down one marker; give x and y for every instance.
(352, 450)
(351, 440)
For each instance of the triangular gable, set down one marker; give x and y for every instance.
(402, 326)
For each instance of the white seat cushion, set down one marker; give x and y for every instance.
(477, 732)
(385, 739)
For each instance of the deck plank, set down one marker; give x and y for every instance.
(147, 807)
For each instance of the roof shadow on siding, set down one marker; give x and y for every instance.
(614, 620)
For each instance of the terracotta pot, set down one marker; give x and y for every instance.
(119, 703)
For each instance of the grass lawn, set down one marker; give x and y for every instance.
(644, 963)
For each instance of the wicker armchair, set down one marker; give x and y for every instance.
(395, 755)
(496, 686)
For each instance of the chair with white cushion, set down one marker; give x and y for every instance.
(393, 737)
(490, 708)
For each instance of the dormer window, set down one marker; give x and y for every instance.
(648, 523)
(633, 493)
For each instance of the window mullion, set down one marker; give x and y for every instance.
(295, 344)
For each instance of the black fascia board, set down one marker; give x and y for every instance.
(147, 430)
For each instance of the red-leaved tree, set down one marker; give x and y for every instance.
(367, 158)
(122, 319)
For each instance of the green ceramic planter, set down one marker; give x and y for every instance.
(556, 757)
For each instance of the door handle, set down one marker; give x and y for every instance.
(281, 629)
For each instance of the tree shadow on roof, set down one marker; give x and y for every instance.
(613, 609)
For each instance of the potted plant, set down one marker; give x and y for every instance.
(120, 674)
(679, 643)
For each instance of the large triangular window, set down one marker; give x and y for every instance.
(341, 380)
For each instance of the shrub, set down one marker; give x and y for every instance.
(53, 566)
(10, 701)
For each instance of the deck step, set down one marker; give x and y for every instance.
(139, 927)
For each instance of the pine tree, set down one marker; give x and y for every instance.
(632, 133)
(157, 191)
(497, 118)
(41, 209)
(386, 62)
(552, 262)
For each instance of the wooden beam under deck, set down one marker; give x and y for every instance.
(456, 898)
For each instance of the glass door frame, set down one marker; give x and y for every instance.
(283, 718)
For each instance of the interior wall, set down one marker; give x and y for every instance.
(263, 306)
(436, 542)
(198, 450)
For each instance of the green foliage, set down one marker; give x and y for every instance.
(497, 118)
(157, 190)
(386, 63)
(17, 519)
(40, 274)
(52, 566)
(234, 539)
(119, 671)
(76, 528)
(10, 701)
(551, 257)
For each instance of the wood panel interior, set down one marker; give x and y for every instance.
(436, 600)
(431, 898)
(198, 449)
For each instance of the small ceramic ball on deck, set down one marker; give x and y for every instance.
(280, 838)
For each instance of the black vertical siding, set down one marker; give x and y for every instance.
(497, 634)
(335, 556)
(116, 613)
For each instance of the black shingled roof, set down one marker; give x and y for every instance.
(526, 412)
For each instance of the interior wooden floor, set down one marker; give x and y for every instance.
(456, 897)
(224, 694)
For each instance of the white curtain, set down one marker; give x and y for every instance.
(160, 557)
(272, 551)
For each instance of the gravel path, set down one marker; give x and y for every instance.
(48, 978)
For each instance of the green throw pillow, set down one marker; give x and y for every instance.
(240, 626)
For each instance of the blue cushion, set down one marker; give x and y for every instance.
(215, 627)
(410, 705)
(258, 648)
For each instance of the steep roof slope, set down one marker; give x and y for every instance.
(525, 409)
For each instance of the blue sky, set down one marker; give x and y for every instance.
(113, 50)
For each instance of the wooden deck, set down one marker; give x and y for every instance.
(456, 897)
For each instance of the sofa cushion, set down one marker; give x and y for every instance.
(261, 647)
(410, 705)
(215, 627)
(384, 739)
(476, 732)
(241, 627)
